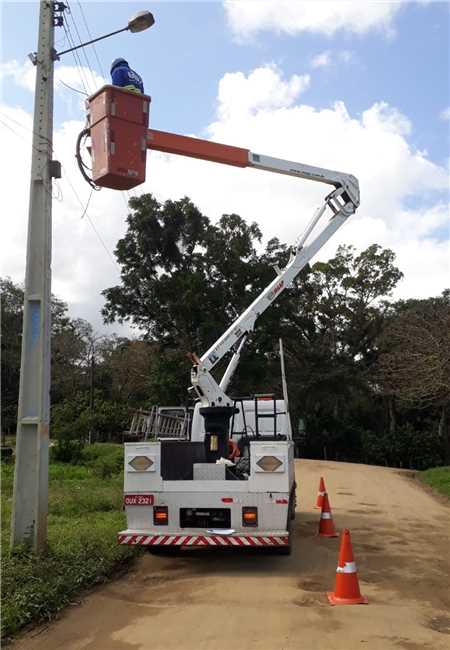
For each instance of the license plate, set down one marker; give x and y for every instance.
(138, 499)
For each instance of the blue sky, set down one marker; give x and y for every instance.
(361, 87)
(191, 47)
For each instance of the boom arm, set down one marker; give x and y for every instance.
(341, 202)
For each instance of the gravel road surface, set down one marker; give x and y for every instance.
(225, 600)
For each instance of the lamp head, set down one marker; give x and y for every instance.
(140, 21)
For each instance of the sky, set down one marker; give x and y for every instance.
(360, 87)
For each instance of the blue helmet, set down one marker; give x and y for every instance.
(117, 62)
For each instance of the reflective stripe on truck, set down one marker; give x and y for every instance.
(202, 540)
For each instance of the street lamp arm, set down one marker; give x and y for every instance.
(138, 23)
(56, 55)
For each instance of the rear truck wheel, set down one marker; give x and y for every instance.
(293, 502)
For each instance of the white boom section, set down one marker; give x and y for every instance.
(342, 203)
(229, 372)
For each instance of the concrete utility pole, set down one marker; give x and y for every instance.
(30, 501)
(29, 517)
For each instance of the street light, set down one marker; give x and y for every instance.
(140, 21)
(137, 23)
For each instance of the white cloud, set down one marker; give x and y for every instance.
(321, 60)
(445, 114)
(23, 75)
(248, 17)
(263, 89)
(264, 112)
(328, 58)
(79, 77)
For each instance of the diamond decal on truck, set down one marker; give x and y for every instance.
(141, 463)
(269, 463)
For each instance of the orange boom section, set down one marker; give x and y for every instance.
(183, 145)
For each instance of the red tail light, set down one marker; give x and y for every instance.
(160, 515)
(249, 516)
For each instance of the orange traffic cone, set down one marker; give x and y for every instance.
(346, 591)
(321, 493)
(326, 524)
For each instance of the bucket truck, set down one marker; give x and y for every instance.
(232, 484)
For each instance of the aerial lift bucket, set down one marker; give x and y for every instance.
(118, 123)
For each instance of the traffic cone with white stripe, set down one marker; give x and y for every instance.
(346, 591)
(321, 493)
(326, 523)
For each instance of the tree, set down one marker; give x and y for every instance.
(11, 328)
(183, 279)
(64, 337)
(332, 336)
(414, 365)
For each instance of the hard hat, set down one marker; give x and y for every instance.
(117, 62)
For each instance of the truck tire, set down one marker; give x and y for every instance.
(293, 503)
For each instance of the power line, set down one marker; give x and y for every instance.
(85, 213)
(78, 65)
(90, 38)
(22, 137)
(23, 126)
(72, 88)
(80, 43)
(87, 204)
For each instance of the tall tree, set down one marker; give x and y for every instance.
(182, 279)
(414, 365)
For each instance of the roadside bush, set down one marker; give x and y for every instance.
(104, 459)
(67, 448)
(407, 447)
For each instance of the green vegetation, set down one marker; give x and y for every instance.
(369, 377)
(438, 478)
(85, 514)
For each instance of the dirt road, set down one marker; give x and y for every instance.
(211, 600)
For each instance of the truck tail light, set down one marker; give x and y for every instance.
(250, 516)
(160, 515)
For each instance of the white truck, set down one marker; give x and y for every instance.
(233, 483)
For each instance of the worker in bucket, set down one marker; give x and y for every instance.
(124, 77)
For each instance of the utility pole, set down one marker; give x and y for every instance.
(30, 500)
(29, 517)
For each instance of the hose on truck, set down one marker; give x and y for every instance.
(81, 165)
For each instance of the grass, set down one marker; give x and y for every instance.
(85, 513)
(438, 478)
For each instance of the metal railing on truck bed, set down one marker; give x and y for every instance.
(160, 423)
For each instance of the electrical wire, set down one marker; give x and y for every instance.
(85, 214)
(27, 128)
(90, 38)
(87, 204)
(22, 137)
(78, 65)
(83, 49)
(72, 88)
